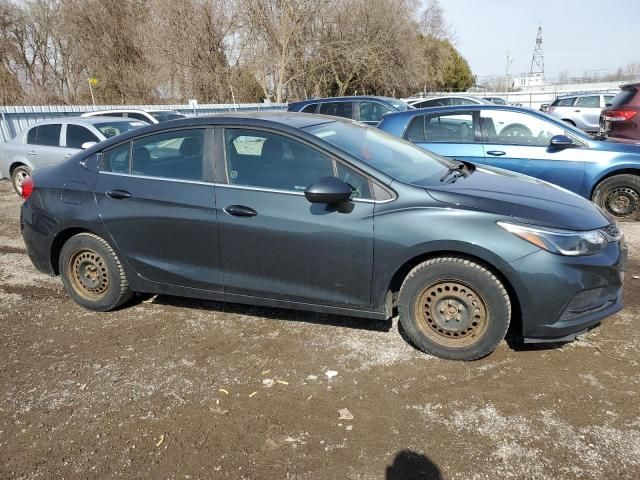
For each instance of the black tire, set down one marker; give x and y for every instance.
(92, 274)
(434, 289)
(620, 196)
(18, 174)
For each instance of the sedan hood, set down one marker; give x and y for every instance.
(526, 199)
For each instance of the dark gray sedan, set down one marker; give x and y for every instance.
(318, 213)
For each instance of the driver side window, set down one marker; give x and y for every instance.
(516, 128)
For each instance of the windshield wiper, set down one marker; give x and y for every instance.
(458, 169)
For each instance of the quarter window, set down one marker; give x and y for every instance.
(176, 154)
(372, 111)
(77, 135)
(116, 159)
(564, 102)
(515, 128)
(268, 160)
(48, 135)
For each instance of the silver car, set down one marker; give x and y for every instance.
(582, 111)
(447, 100)
(53, 141)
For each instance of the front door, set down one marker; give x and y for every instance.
(520, 142)
(156, 201)
(274, 243)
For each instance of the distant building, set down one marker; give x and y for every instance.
(531, 80)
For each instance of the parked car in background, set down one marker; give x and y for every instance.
(369, 110)
(443, 101)
(582, 111)
(532, 143)
(621, 119)
(149, 116)
(53, 141)
(278, 209)
(496, 100)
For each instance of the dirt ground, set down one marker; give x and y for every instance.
(176, 388)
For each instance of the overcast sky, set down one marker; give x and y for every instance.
(577, 35)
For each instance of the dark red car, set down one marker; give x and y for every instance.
(621, 118)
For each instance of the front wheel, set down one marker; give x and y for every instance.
(454, 308)
(620, 196)
(92, 274)
(18, 176)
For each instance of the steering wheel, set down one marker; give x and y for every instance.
(516, 130)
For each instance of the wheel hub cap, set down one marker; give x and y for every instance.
(451, 313)
(89, 273)
(622, 201)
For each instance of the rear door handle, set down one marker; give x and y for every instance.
(119, 194)
(496, 153)
(576, 110)
(240, 211)
(32, 153)
(68, 155)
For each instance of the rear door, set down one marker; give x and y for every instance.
(451, 134)
(587, 112)
(519, 141)
(45, 144)
(274, 243)
(157, 201)
(337, 109)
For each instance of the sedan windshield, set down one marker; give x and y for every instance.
(393, 156)
(111, 129)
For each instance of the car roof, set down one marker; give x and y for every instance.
(435, 97)
(454, 108)
(85, 120)
(352, 97)
(117, 110)
(289, 120)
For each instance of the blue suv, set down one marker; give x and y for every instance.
(369, 110)
(529, 142)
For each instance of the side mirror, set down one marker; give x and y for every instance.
(329, 190)
(86, 145)
(560, 141)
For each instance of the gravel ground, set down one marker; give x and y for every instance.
(175, 388)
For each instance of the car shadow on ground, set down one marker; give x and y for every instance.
(267, 312)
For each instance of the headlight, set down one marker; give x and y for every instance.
(561, 242)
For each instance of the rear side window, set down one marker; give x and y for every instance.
(435, 102)
(116, 159)
(177, 154)
(138, 116)
(564, 102)
(449, 128)
(607, 100)
(623, 97)
(77, 135)
(311, 108)
(48, 135)
(415, 132)
(338, 109)
(372, 111)
(592, 101)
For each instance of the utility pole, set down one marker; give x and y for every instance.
(537, 62)
(509, 61)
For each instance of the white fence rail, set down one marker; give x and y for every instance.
(14, 119)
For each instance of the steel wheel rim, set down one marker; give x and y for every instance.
(19, 179)
(89, 274)
(622, 201)
(452, 314)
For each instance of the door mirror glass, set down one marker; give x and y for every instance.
(561, 141)
(86, 145)
(329, 190)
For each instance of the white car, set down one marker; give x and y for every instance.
(56, 140)
(149, 116)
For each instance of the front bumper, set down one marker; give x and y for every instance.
(561, 297)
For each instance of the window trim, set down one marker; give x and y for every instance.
(224, 182)
(208, 164)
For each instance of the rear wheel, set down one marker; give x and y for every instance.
(18, 176)
(92, 274)
(570, 122)
(454, 308)
(620, 196)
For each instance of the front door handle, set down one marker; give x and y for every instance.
(32, 153)
(577, 110)
(496, 153)
(240, 211)
(68, 155)
(119, 194)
